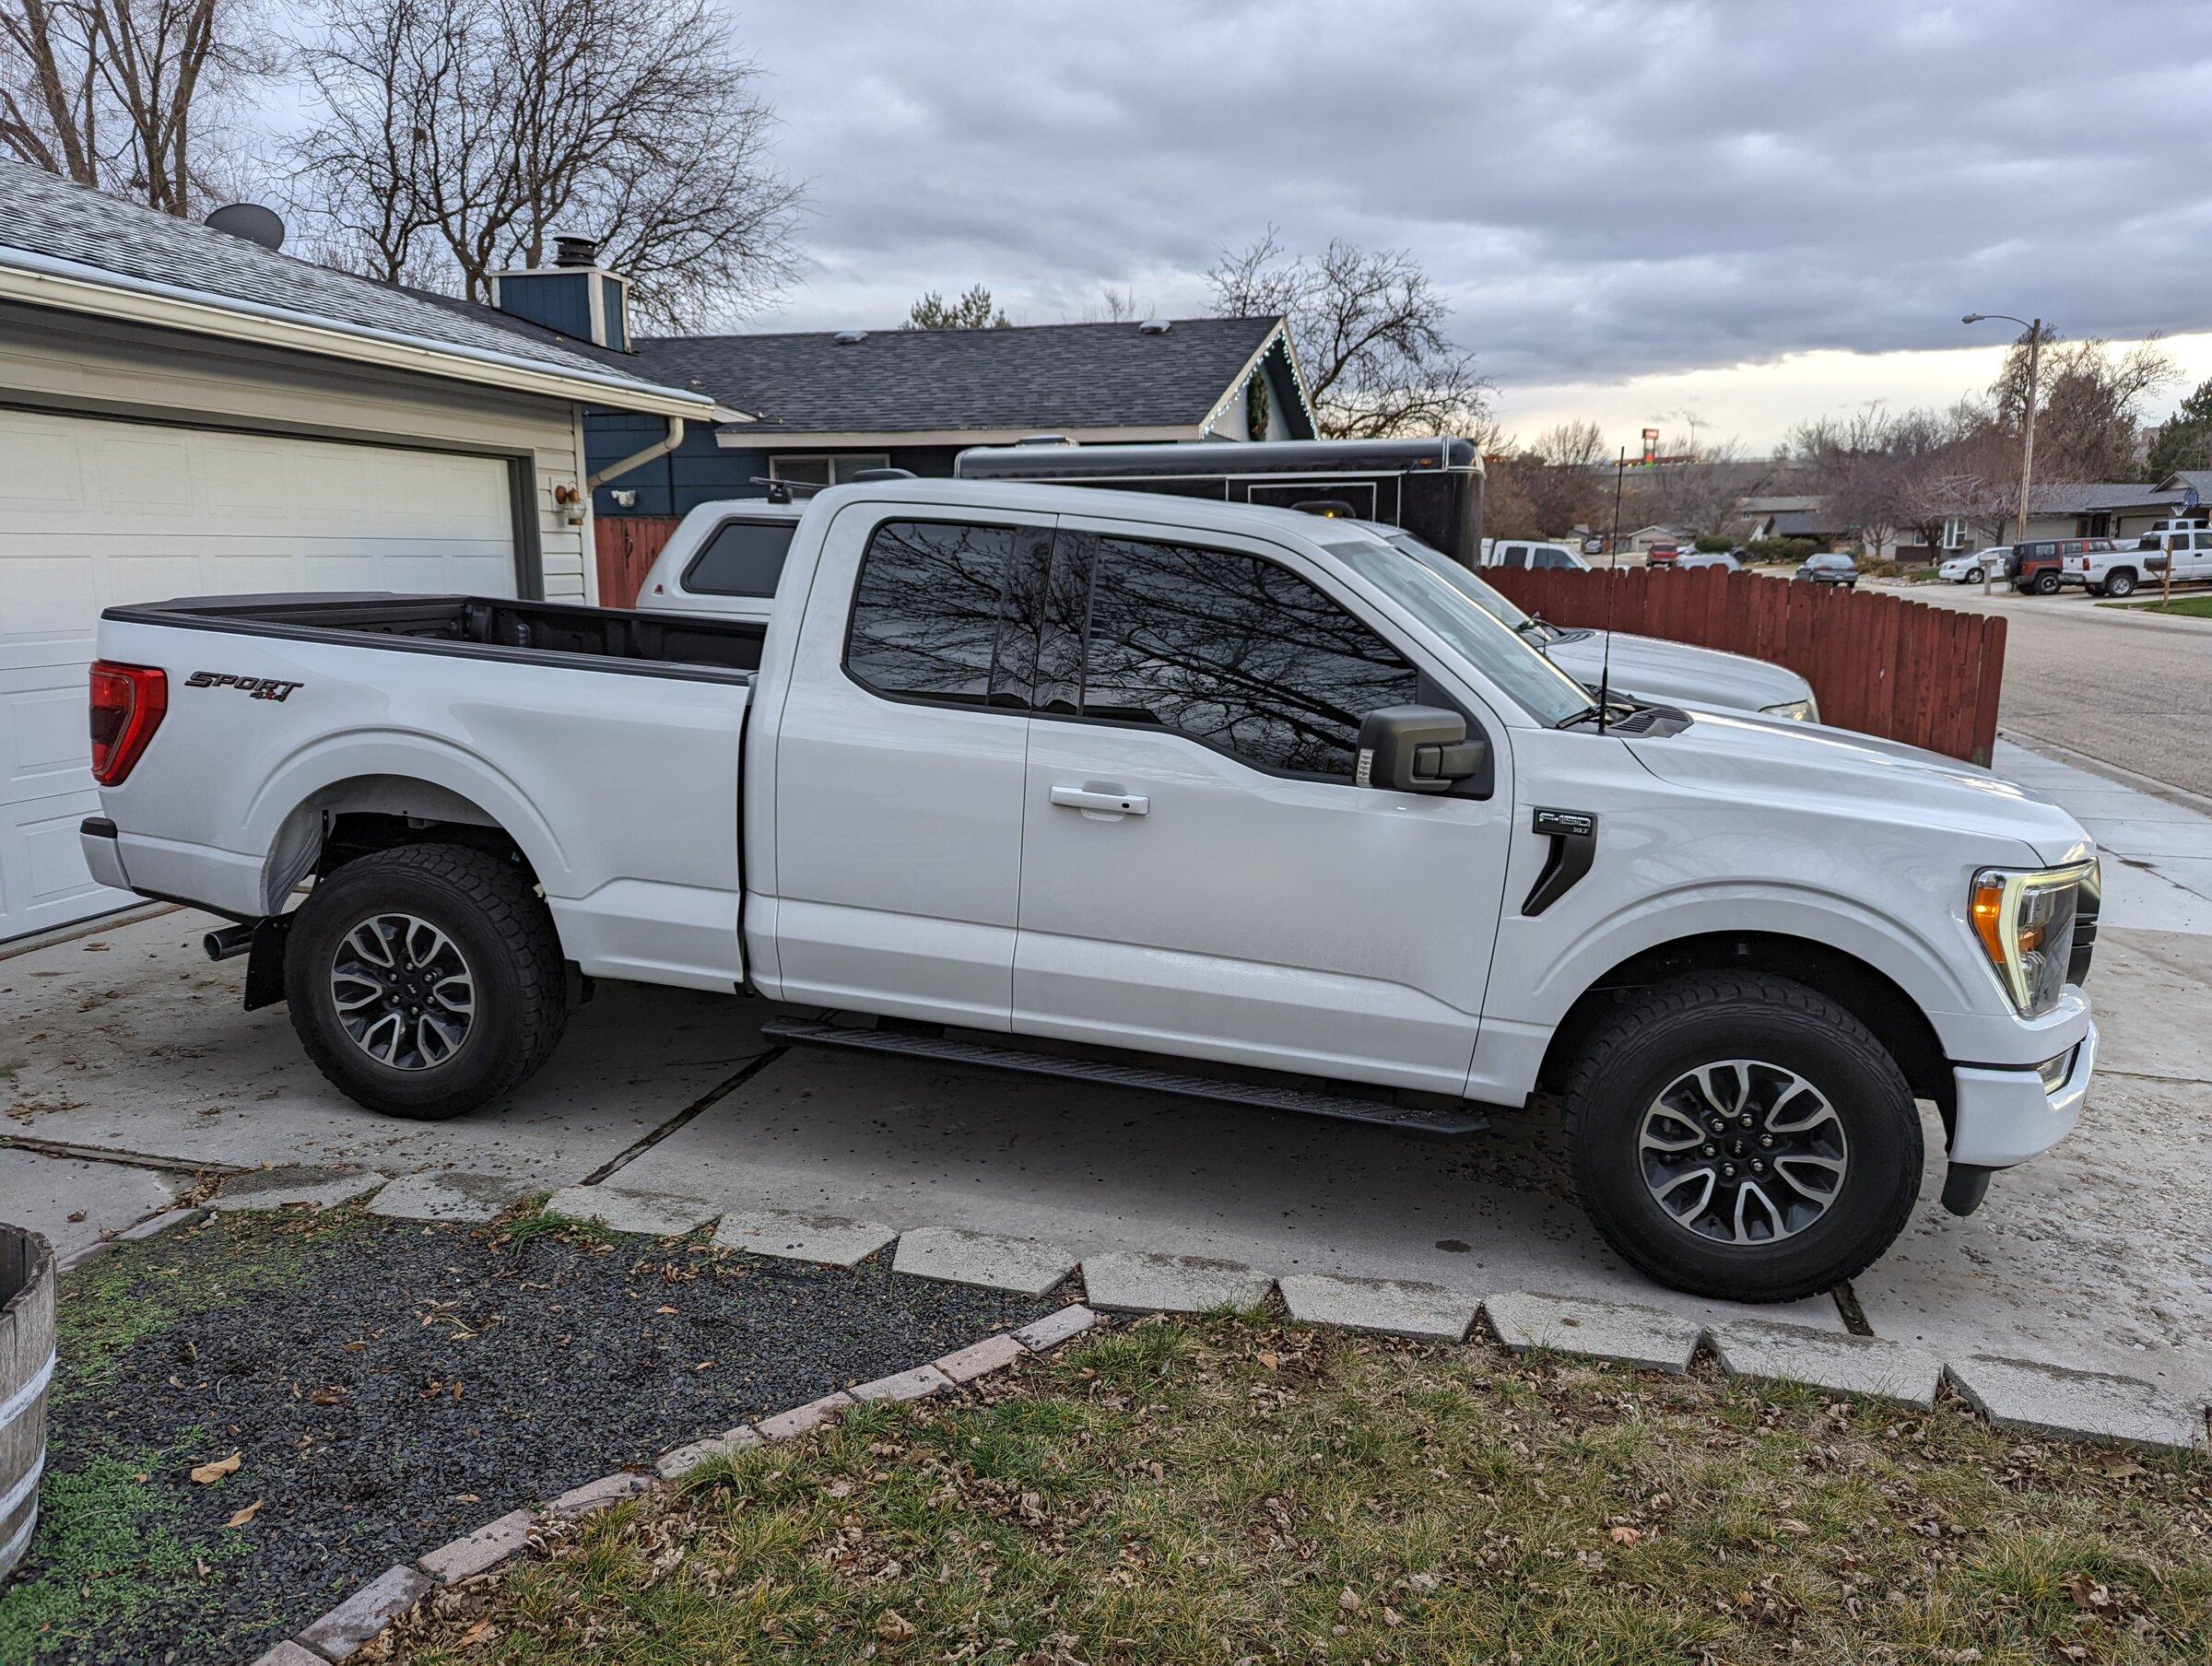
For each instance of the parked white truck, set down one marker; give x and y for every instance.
(2120, 572)
(1232, 799)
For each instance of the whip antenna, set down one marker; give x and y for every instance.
(1604, 663)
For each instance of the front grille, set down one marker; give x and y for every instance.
(2085, 924)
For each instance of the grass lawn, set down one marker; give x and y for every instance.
(2197, 606)
(1232, 1491)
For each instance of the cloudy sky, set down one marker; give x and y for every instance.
(1744, 210)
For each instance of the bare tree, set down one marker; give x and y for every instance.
(112, 93)
(1369, 329)
(2089, 404)
(1550, 487)
(1697, 488)
(457, 138)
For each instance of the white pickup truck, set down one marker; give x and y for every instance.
(1226, 799)
(726, 559)
(2120, 572)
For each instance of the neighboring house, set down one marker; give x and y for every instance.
(183, 410)
(1803, 515)
(1644, 539)
(814, 408)
(2074, 508)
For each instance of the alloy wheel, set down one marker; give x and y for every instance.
(1743, 1152)
(403, 991)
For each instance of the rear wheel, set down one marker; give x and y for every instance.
(2119, 581)
(425, 981)
(1743, 1137)
(2046, 584)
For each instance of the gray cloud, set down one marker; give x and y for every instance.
(1603, 189)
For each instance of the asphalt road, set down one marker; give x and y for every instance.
(2125, 688)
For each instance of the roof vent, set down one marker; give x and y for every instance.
(846, 338)
(250, 221)
(1044, 439)
(575, 251)
(1154, 326)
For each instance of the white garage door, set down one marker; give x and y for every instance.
(94, 512)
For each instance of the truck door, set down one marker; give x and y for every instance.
(900, 765)
(1200, 875)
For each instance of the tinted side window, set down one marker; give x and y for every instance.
(927, 610)
(743, 559)
(1237, 652)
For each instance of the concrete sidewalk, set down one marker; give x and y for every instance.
(2157, 839)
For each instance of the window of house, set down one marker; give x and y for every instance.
(927, 609)
(825, 470)
(1236, 652)
(743, 559)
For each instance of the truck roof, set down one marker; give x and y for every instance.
(1167, 508)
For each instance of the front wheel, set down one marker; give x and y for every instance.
(1742, 1137)
(426, 980)
(1974, 575)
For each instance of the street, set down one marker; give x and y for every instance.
(2112, 684)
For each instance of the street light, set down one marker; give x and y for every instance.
(2035, 347)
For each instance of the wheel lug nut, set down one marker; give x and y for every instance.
(1727, 1171)
(1709, 1151)
(1767, 1140)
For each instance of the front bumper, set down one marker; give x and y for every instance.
(2004, 1117)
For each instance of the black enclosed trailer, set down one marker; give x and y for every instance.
(1431, 487)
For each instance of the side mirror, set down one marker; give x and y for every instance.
(1418, 749)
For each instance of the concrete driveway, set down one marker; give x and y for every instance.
(125, 1066)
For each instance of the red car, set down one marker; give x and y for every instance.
(1662, 555)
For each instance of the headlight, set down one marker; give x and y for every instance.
(1801, 712)
(2025, 924)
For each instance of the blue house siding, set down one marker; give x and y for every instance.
(699, 470)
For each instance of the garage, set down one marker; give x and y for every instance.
(187, 412)
(94, 511)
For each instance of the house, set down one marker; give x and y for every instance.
(1801, 515)
(1644, 539)
(184, 410)
(812, 408)
(2124, 509)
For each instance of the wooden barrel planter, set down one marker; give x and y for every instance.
(26, 1368)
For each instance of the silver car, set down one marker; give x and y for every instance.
(1646, 667)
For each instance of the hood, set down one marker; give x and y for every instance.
(1672, 673)
(1768, 760)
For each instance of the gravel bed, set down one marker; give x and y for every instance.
(387, 1386)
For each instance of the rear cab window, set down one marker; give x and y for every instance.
(742, 558)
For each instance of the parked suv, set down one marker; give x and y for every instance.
(1830, 569)
(2039, 565)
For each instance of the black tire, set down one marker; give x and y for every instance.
(2119, 581)
(500, 929)
(1973, 576)
(1651, 1042)
(2046, 584)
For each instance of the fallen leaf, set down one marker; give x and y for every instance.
(208, 1473)
(663, 1308)
(1625, 1535)
(1269, 1359)
(1793, 1528)
(894, 1626)
(467, 1498)
(2119, 1466)
(2090, 1595)
(483, 1631)
(240, 1518)
(705, 1365)
(1348, 1600)
(77, 1215)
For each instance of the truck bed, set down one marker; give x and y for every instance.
(597, 639)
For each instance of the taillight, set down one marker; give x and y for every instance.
(128, 702)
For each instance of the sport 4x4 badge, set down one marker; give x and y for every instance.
(260, 688)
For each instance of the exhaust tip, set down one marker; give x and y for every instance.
(225, 942)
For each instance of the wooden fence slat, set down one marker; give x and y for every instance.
(1880, 664)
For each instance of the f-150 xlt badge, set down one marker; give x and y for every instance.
(260, 688)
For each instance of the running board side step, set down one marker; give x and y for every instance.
(1455, 1119)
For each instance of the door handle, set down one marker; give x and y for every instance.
(1101, 801)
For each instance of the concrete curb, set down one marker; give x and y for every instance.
(347, 1629)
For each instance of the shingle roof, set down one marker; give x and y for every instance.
(1779, 505)
(61, 220)
(1034, 377)
(2199, 478)
(2095, 496)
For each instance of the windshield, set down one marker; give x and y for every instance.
(1476, 591)
(1476, 629)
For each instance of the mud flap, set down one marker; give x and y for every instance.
(264, 961)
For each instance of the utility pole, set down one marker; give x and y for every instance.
(2035, 351)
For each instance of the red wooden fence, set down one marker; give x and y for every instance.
(627, 545)
(1879, 664)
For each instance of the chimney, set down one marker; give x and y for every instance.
(575, 295)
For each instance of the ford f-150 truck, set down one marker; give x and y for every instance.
(1193, 797)
(725, 559)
